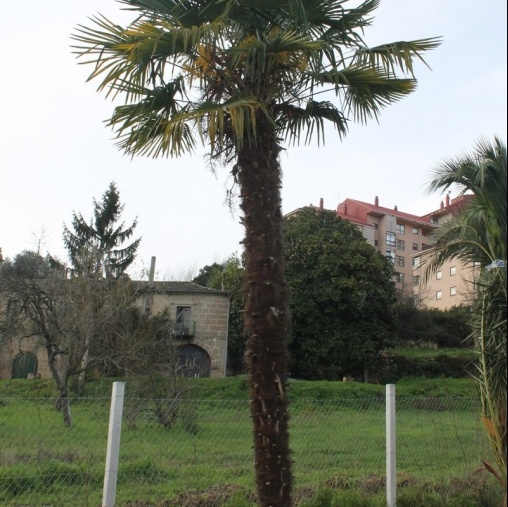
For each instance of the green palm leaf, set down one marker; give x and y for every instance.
(366, 89)
(294, 120)
(477, 235)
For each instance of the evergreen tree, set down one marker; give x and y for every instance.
(97, 247)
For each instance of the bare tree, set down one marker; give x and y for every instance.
(65, 315)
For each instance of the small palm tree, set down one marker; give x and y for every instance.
(477, 236)
(244, 77)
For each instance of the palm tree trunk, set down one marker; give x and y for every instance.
(266, 317)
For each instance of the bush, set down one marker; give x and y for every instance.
(448, 328)
(389, 368)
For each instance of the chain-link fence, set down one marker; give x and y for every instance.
(169, 447)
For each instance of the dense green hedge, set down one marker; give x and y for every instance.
(390, 368)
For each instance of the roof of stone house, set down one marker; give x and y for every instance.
(179, 288)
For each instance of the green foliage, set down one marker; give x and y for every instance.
(341, 297)
(389, 368)
(97, 247)
(477, 235)
(445, 328)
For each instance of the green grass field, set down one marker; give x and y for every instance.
(337, 429)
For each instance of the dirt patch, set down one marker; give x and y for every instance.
(215, 496)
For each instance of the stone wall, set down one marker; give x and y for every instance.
(210, 314)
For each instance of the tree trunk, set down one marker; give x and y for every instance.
(266, 316)
(84, 365)
(62, 403)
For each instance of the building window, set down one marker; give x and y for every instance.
(375, 242)
(425, 246)
(453, 291)
(390, 254)
(183, 324)
(415, 247)
(439, 275)
(415, 230)
(399, 277)
(401, 244)
(453, 270)
(399, 261)
(416, 279)
(375, 226)
(439, 294)
(390, 239)
(415, 262)
(400, 228)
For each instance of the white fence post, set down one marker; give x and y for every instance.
(113, 450)
(391, 470)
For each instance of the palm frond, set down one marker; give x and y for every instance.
(396, 55)
(366, 90)
(136, 56)
(169, 130)
(293, 120)
(477, 234)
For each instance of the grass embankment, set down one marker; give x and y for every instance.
(337, 432)
(235, 388)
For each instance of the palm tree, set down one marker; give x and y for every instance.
(98, 247)
(477, 236)
(243, 77)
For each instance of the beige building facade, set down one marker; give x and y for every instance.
(200, 317)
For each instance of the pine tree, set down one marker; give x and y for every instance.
(97, 247)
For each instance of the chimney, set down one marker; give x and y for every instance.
(447, 200)
(376, 201)
(442, 205)
(395, 208)
(149, 297)
(151, 275)
(321, 203)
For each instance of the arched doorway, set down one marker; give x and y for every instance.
(23, 364)
(194, 361)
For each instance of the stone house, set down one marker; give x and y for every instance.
(200, 316)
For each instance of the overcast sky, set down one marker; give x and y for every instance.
(56, 155)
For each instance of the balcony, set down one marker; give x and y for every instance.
(184, 330)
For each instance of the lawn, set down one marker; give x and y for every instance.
(44, 463)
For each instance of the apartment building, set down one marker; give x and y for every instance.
(403, 238)
(453, 283)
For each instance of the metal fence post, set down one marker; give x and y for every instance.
(391, 470)
(113, 450)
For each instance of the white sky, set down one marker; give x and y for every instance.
(56, 154)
